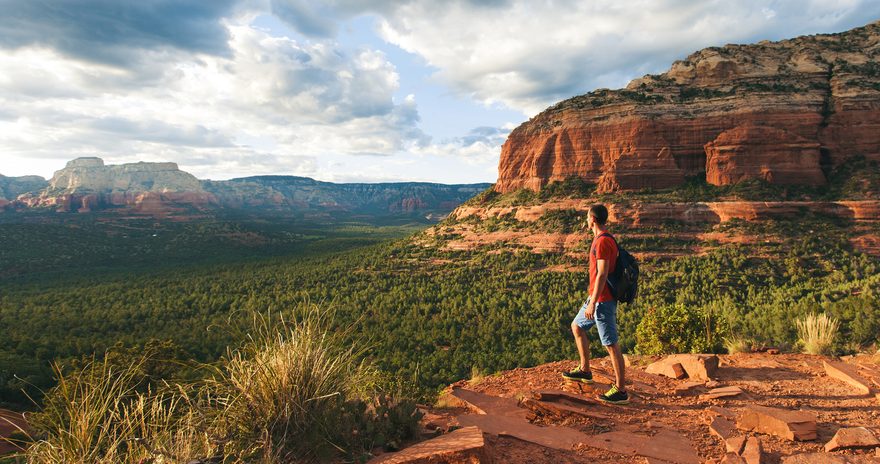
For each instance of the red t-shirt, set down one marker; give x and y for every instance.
(603, 247)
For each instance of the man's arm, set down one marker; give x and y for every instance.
(601, 278)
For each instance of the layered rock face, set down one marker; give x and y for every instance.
(785, 112)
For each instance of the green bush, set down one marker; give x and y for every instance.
(679, 328)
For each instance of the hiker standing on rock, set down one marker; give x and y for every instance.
(600, 310)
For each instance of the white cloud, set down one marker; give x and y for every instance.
(529, 54)
(273, 106)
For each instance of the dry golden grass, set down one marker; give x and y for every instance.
(816, 333)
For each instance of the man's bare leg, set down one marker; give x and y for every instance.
(583, 344)
(617, 362)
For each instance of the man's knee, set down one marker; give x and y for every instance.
(577, 330)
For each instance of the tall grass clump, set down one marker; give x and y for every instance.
(816, 333)
(296, 391)
(96, 415)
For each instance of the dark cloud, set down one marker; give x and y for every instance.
(108, 31)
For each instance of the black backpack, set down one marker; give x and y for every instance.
(624, 281)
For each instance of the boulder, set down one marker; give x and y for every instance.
(672, 370)
(694, 366)
(792, 425)
(852, 437)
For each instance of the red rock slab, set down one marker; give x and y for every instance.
(463, 446)
(732, 458)
(482, 403)
(559, 395)
(722, 392)
(724, 412)
(560, 410)
(667, 445)
(828, 458)
(752, 453)
(848, 374)
(793, 425)
(852, 437)
(722, 427)
(558, 437)
(684, 388)
(735, 445)
(664, 367)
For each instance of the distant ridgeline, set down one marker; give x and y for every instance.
(87, 184)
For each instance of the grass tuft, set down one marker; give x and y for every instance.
(816, 333)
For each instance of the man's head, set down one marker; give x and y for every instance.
(598, 215)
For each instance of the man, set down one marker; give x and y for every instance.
(599, 310)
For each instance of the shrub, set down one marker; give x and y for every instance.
(678, 328)
(816, 334)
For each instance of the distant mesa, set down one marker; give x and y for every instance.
(87, 184)
(785, 112)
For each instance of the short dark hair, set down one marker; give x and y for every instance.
(599, 213)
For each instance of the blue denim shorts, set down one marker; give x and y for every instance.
(605, 320)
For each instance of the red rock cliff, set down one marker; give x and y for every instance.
(780, 111)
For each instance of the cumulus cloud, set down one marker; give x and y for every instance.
(528, 54)
(270, 105)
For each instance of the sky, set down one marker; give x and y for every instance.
(338, 90)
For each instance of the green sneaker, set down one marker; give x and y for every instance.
(578, 375)
(614, 396)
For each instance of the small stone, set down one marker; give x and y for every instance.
(852, 437)
(773, 351)
(731, 458)
(713, 384)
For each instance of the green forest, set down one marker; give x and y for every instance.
(80, 286)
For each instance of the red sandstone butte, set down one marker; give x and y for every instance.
(793, 425)
(777, 111)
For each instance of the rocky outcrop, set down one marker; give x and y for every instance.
(86, 184)
(778, 111)
(12, 187)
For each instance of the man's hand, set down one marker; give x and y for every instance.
(590, 310)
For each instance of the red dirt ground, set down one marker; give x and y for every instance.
(788, 381)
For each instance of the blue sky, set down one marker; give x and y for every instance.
(339, 90)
